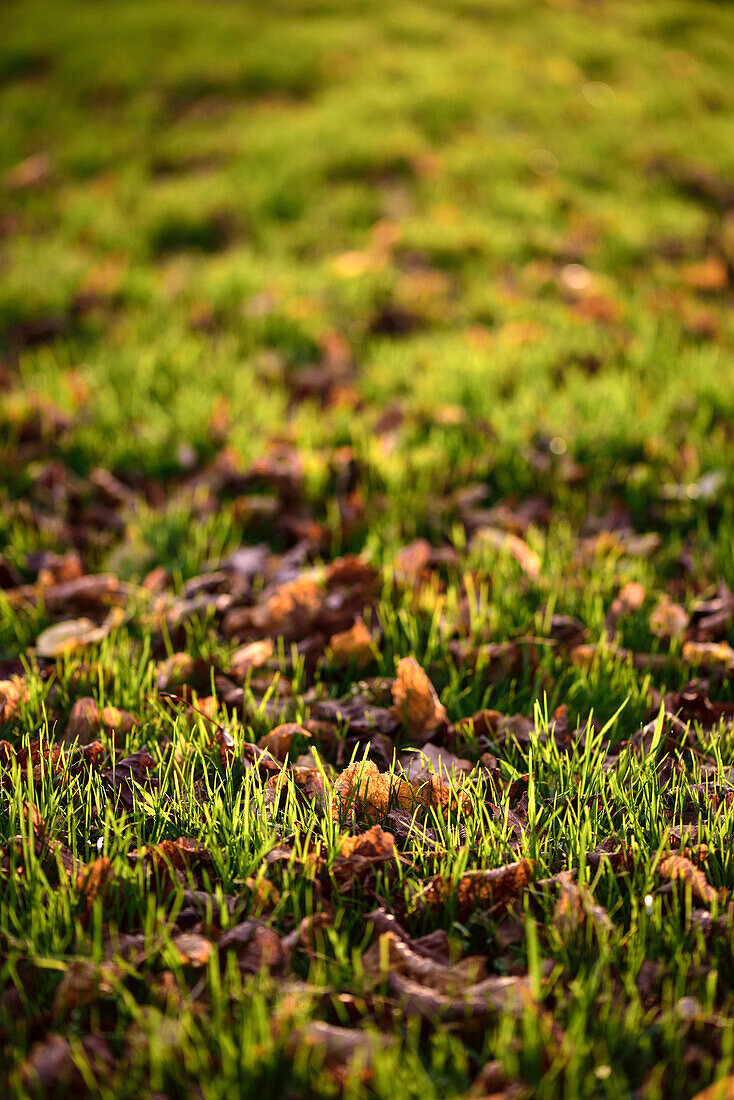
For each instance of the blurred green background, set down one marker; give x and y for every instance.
(508, 221)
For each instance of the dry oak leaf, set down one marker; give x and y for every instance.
(679, 868)
(509, 995)
(92, 881)
(391, 953)
(256, 945)
(364, 789)
(338, 1044)
(84, 721)
(575, 903)
(83, 982)
(415, 701)
(279, 740)
(477, 889)
(709, 654)
(353, 645)
(13, 692)
(524, 555)
(192, 949)
(115, 720)
(669, 619)
(252, 655)
(67, 636)
(358, 855)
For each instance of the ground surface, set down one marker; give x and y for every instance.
(366, 387)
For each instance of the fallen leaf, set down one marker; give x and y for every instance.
(415, 701)
(338, 1044)
(355, 645)
(669, 619)
(477, 889)
(722, 1089)
(192, 949)
(13, 692)
(358, 855)
(84, 721)
(524, 555)
(67, 636)
(363, 789)
(709, 654)
(279, 740)
(256, 945)
(250, 656)
(94, 880)
(679, 869)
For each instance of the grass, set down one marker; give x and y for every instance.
(332, 278)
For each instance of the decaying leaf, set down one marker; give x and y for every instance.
(477, 889)
(67, 636)
(192, 949)
(279, 740)
(669, 619)
(83, 982)
(524, 555)
(256, 946)
(575, 906)
(94, 880)
(339, 1045)
(415, 701)
(358, 855)
(364, 790)
(250, 656)
(709, 654)
(13, 692)
(353, 646)
(84, 721)
(722, 1089)
(390, 953)
(677, 868)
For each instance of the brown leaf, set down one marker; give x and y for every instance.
(527, 558)
(706, 275)
(257, 947)
(68, 636)
(477, 889)
(669, 619)
(505, 995)
(355, 645)
(358, 855)
(84, 721)
(279, 740)
(415, 701)
(83, 983)
(250, 656)
(433, 760)
(339, 1045)
(575, 904)
(192, 949)
(630, 599)
(678, 868)
(49, 1065)
(119, 721)
(709, 654)
(29, 173)
(13, 692)
(94, 880)
(364, 790)
(391, 953)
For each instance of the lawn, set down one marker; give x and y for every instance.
(367, 548)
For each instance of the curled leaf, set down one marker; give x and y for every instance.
(478, 889)
(415, 701)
